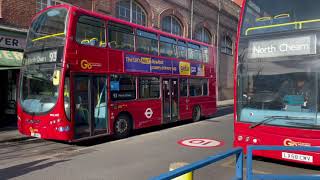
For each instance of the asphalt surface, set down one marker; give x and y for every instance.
(147, 153)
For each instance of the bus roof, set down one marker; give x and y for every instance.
(109, 18)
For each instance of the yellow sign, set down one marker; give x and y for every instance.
(56, 78)
(184, 68)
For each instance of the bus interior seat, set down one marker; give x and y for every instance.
(259, 24)
(293, 102)
(102, 44)
(85, 41)
(113, 44)
(94, 42)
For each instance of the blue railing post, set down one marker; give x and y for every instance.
(249, 163)
(239, 166)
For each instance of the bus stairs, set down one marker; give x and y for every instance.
(185, 172)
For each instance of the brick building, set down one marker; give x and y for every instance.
(211, 21)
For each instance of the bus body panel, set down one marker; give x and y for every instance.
(279, 136)
(88, 61)
(245, 133)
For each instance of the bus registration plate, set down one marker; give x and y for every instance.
(297, 157)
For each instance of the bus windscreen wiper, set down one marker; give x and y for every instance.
(304, 124)
(272, 118)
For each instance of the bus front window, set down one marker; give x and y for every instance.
(40, 84)
(280, 92)
(48, 30)
(269, 16)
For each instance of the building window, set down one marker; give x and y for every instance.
(171, 25)
(42, 4)
(227, 45)
(131, 11)
(203, 35)
(149, 87)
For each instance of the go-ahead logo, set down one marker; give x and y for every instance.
(289, 142)
(85, 64)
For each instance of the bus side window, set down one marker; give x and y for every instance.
(168, 46)
(120, 36)
(91, 31)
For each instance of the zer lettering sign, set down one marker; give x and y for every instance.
(200, 143)
(12, 42)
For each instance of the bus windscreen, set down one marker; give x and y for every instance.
(48, 30)
(269, 16)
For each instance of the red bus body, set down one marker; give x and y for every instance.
(103, 62)
(266, 133)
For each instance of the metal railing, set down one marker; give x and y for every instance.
(239, 164)
(205, 162)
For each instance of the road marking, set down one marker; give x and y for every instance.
(200, 143)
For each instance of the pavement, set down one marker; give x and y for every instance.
(11, 133)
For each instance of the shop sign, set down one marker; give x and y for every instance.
(12, 42)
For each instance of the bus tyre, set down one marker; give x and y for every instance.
(122, 126)
(196, 113)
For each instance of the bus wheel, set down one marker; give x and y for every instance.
(196, 113)
(122, 127)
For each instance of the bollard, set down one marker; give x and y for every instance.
(187, 176)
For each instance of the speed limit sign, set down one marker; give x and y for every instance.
(200, 142)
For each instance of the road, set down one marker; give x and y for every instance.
(147, 153)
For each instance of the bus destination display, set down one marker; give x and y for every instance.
(303, 45)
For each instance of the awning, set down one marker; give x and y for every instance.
(10, 59)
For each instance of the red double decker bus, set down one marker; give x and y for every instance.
(88, 75)
(277, 78)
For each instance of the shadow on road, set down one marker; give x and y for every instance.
(221, 112)
(22, 169)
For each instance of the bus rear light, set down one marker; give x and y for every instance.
(18, 117)
(240, 138)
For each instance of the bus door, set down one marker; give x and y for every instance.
(90, 106)
(170, 99)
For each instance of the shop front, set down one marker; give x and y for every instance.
(11, 54)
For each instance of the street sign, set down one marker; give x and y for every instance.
(200, 143)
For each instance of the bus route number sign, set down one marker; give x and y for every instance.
(200, 143)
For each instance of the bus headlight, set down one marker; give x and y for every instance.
(255, 141)
(60, 129)
(240, 138)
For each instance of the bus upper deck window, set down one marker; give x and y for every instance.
(91, 31)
